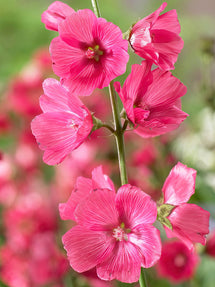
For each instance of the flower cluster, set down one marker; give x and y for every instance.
(113, 230)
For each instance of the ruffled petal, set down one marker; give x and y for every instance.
(57, 133)
(101, 180)
(85, 248)
(77, 28)
(98, 211)
(160, 121)
(66, 60)
(170, 89)
(124, 264)
(55, 14)
(190, 224)
(147, 238)
(168, 21)
(134, 206)
(82, 189)
(56, 98)
(179, 185)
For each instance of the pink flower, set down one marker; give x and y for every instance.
(177, 263)
(55, 14)
(83, 187)
(89, 52)
(114, 233)
(210, 245)
(152, 100)
(64, 124)
(156, 38)
(189, 222)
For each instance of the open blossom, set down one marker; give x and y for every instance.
(190, 223)
(152, 100)
(114, 232)
(56, 12)
(177, 263)
(89, 52)
(64, 124)
(156, 38)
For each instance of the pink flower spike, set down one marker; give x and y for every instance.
(156, 38)
(55, 14)
(190, 223)
(63, 126)
(113, 236)
(179, 185)
(152, 100)
(89, 53)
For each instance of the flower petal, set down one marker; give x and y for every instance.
(123, 264)
(147, 238)
(179, 185)
(190, 223)
(86, 248)
(134, 206)
(98, 211)
(82, 189)
(56, 13)
(101, 180)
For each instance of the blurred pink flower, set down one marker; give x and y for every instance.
(177, 263)
(210, 244)
(152, 100)
(89, 52)
(190, 223)
(114, 233)
(63, 126)
(156, 38)
(56, 12)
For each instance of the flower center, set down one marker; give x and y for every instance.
(120, 233)
(94, 53)
(180, 260)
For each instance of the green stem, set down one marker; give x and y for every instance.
(119, 134)
(96, 8)
(142, 280)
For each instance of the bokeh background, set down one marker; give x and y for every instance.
(24, 179)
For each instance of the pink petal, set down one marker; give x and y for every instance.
(55, 14)
(82, 189)
(137, 82)
(190, 223)
(179, 185)
(98, 211)
(124, 264)
(65, 59)
(134, 206)
(86, 248)
(56, 98)
(77, 28)
(147, 238)
(160, 121)
(168, 45)
(152, 18)
(55, 132)
(170, 89)
(168, 21)
(134, 87)
(101, 180)
(115, 48)
(91, 76)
